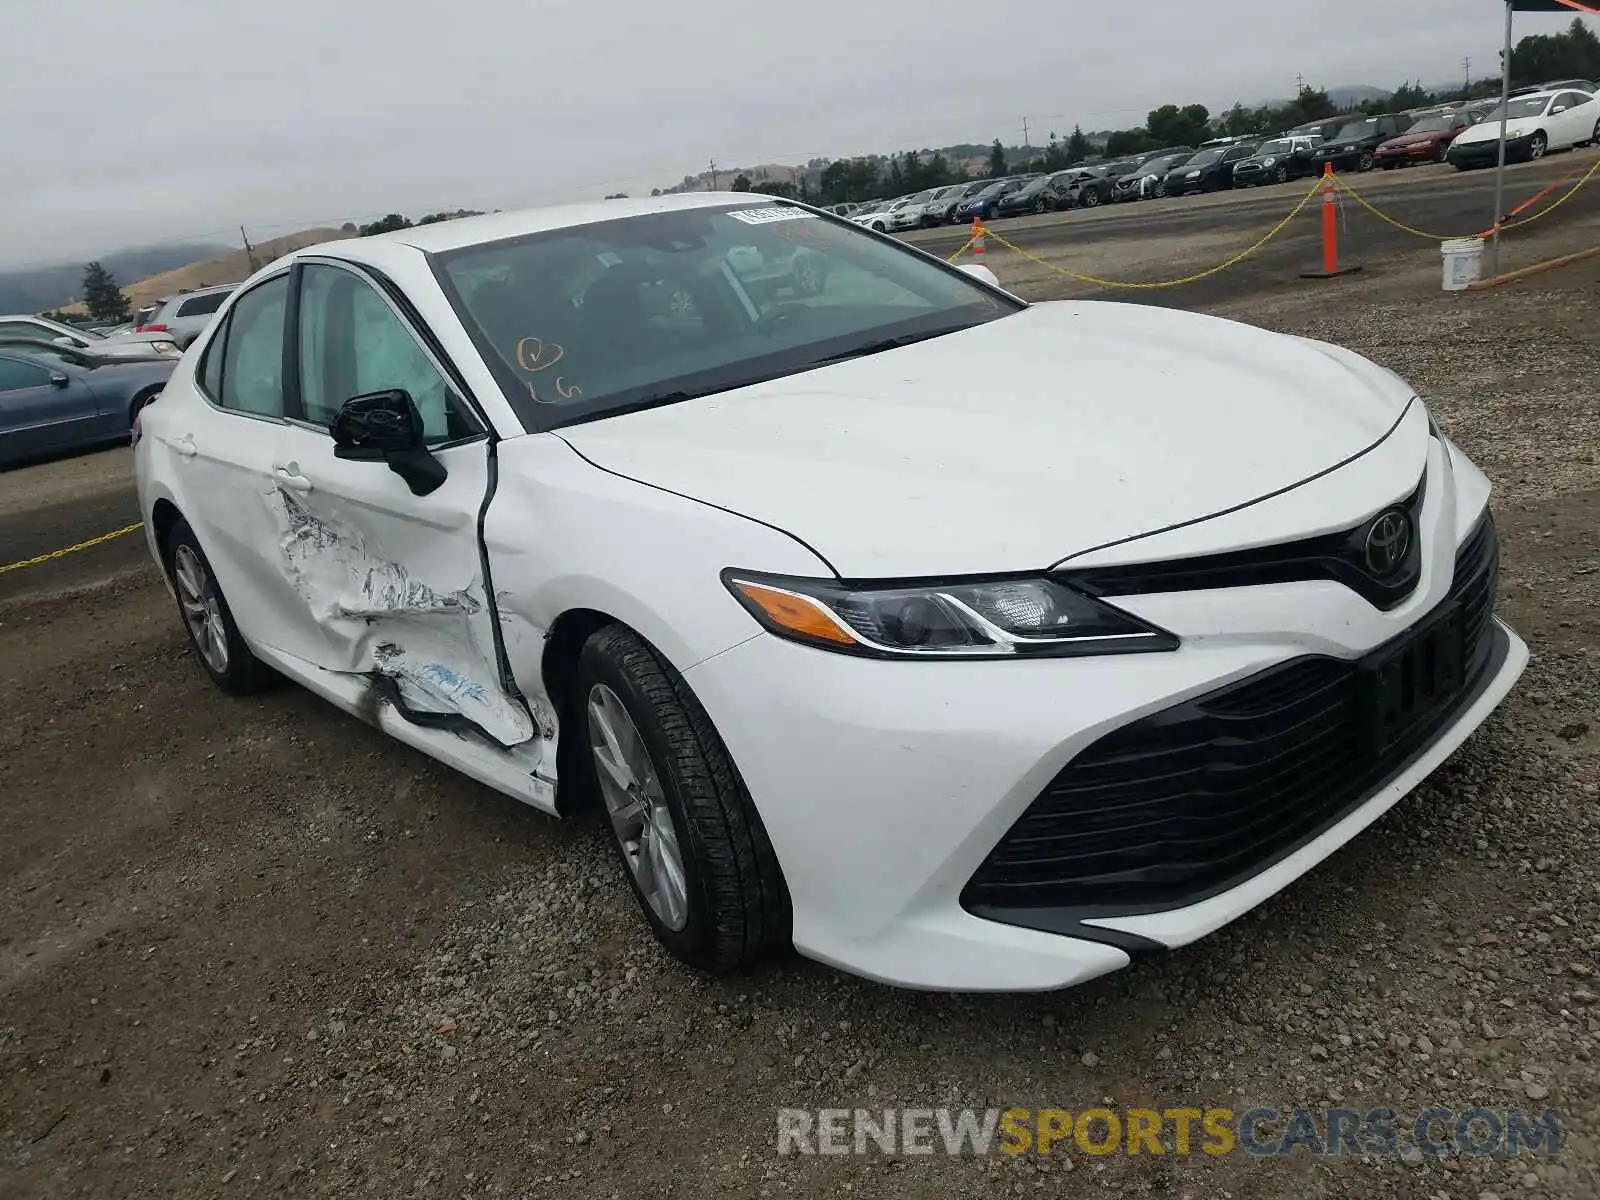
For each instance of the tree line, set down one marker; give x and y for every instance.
(1572, 54)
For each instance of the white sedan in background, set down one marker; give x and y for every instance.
(928, 631)
(1534, 125)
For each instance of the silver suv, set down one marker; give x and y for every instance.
(185, 316)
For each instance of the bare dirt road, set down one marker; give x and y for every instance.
(251, 948)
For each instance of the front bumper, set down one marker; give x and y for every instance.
(1421, 152)
(1487, 154)
(886, 787)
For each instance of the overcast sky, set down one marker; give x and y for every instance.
(157, 123)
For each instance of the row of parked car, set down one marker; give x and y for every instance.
(1553, 116)
(67, 387)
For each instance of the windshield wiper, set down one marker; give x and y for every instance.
(879, 346)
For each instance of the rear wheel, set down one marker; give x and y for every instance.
(1538, 146)
(1364, 163)
(208, 620)
(694, 848)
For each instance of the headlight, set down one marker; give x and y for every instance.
(1267, 162)
(168, 348)
(1010, 618)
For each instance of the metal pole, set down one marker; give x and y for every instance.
(1500, 168)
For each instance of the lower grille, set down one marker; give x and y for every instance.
(1193, 799)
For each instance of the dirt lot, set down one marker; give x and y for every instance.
(251, 948)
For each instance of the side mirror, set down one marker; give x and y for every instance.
(981, 273)
(59, 379)
(386, 427)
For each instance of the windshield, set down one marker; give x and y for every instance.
(1156, 165)
(593, 320)
(42, 351)
(1206, 156)
(1270, 149)
(1355, 129)
(1532, 106)
(1432, 125)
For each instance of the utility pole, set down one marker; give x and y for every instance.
(1299, 84)
(1466, 65)
(249, 250)
(713, 165)
(1026, 145)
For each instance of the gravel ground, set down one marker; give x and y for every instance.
(252, 948)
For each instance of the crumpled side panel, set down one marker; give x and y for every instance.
(434, 642)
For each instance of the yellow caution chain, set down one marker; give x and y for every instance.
(55, 554)
(1440, 237)
(1165, 283)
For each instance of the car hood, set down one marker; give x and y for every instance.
(1489, 131)
(1017, 443)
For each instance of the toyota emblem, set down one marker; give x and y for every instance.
(1388, 542)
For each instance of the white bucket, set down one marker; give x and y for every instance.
(1463, 262)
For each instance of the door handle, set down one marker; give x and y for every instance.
(185, 445)
(289, 476)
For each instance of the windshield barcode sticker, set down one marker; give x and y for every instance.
(766, 216)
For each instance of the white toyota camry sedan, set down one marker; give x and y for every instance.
(933, 633)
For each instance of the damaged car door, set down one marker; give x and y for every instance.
(385, 469)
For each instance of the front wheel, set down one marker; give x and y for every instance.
(694, 848)
(208, 620)
(1281, 175)
(1040, 207)
(1091, 199)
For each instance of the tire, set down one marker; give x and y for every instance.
(734, 906)
(1281, 175)
(876, 227)
(1595, 136)
(208, 620)
(1364, 163)
(1537, 147)
(1040, 207)
(1443, 153)
(139, 402)
(809, 276)
(1091, 198)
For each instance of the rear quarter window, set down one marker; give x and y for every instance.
(202, 306)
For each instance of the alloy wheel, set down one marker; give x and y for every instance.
(1537, 147)
(637, 805)
(202, 611)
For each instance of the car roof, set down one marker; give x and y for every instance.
(442, 236)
